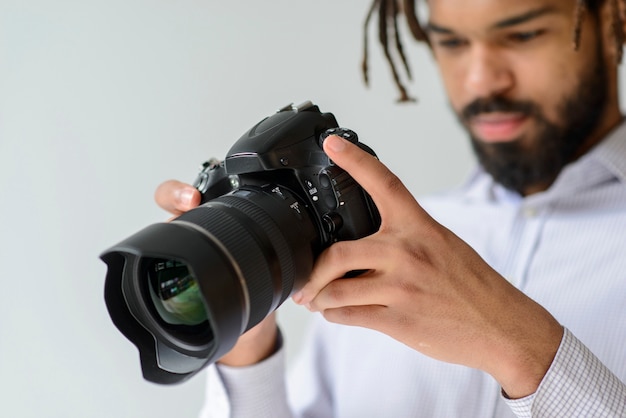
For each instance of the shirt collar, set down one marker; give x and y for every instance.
(611, 152)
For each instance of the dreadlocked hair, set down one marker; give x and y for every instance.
(388, 11)
(389, 34)
(583, 7)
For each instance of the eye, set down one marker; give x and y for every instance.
(451, 43)
(527, 36)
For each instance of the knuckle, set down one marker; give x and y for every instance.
(417, 256)
(405, 289)
(335, 294)
(344, 315)
(392, 182)
(336, 252)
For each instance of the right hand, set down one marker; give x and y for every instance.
(259, 342)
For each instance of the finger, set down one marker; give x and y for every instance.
(387, 191)
(366, 289)
(366, 316)
(339, 259)
(177, 197)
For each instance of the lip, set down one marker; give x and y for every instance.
(498, 126)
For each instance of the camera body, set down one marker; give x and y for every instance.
(283, 156)
(184, 291)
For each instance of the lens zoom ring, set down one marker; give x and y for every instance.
(281, 246)
(247, 249)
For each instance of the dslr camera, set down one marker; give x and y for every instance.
(184, 291)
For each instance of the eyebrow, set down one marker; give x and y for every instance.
(508, 22)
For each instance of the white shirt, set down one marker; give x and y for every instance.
(565, 248)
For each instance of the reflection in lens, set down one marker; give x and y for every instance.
(176, 294)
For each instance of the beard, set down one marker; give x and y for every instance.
(537, 161)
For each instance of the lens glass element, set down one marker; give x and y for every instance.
(175, 293)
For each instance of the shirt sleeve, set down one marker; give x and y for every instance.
(255, 391)
(263, 390)
(576, 385)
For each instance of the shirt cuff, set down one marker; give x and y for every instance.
(576, 384)
(254, 391)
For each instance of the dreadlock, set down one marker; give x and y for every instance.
(388, 11)
(617, 20)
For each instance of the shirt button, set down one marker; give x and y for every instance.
(530, 212)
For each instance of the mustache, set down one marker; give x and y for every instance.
(497, 104)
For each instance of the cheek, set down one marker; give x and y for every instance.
(453, 83)
(548, 83)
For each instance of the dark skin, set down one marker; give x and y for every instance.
(425, 287)
(520, 51)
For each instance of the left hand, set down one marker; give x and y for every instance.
(427, 288)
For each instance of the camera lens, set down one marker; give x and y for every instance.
(175, 293)
(261, 235)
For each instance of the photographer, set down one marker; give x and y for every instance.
(510, 301)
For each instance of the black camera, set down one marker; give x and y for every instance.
(184, 291)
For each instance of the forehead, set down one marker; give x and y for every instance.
(485, 14)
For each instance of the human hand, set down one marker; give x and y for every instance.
(258, 342)
(427, 288)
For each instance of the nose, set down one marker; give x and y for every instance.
(487, 73)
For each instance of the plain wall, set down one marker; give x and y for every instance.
(100, 101)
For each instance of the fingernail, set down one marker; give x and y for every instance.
(335, 143)
(185, 196)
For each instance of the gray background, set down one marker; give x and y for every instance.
(100, 101)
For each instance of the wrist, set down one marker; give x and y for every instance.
(256, 345)
(528, 362)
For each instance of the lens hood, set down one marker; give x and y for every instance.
(167, 354)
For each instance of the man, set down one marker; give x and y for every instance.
(528, 318)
